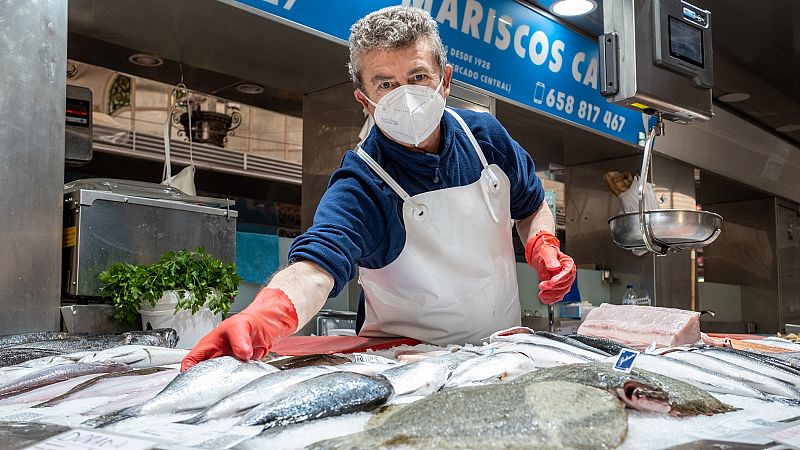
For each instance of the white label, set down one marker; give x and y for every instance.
(372, 359)
(91, 440)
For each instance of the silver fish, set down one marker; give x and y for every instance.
(639, 390)
(694, 375)
(542, 355)
(258, 391)
(200, 386)
(139, 356)
(18, 355)
(327, 395)
(753, 372)
(417, 378)
(55, 374)
(93, 382)
(762, 363)
(506, 416)
(501, 366)
(538, 339)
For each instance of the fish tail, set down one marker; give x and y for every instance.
(111, 418)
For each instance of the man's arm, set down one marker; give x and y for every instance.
(307, 285)
(540, 220)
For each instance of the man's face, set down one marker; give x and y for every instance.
(384, 70)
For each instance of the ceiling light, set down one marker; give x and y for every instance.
(141, 59)
(734, 97)
(249, 88)
(788, 128)
(573, 7)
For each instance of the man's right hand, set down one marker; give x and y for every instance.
(251, 333)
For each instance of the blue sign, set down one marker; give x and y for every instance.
(625, 360)
(500, 46)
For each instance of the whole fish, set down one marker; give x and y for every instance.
(507, 416)
(55, 374)
(572, 342)
(537, 339)
(416, 378)
(543, 355)
(639, 390)
(18, 355)
(611, 347)
(86, 385)
(46, 392)
(500, 366)
(774, 367)
(750, 371)
(327, 395)
(200, 386)
(694, 375)
(139, 356)
(160, 337)
(295, 362)
(258, 391)
(36, 336)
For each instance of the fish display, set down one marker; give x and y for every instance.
(640, 326)
(638, 390)
(258, 391)
(96, 386)
(500, 366)
(606, 345)
(199, 387)
(55, 374)
(327, 395)
(294, 362)
(499, 416)
(751, 371)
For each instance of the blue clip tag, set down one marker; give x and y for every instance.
(625, 360)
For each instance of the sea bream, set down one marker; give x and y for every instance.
(327, 395)
(639, 390)
(750, 371)
(258, 391)
(199, 387)
(55, 374)
(506, 416)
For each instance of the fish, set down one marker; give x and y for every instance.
(327, 395)
(749, 371)
(573, 342)
(505, 416)
(46, 392)
(500, 366)
(638, 390)
(606, 345)
(62, 372)
(787, 372)
(417, 378)
(18, 355)
(36, 336)
(94, 381)
(159, 337)
(542, 355)
(139, 356)
(256, 392)
(696, 376)
(294, 362)
(200, 386)
(538, 339)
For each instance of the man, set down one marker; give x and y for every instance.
(424, 208)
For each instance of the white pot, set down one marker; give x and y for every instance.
(190, 327)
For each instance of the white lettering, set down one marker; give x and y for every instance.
(473, 13)
(504, 40)
(576, 73)
(591, 74)
(448, 12)
(421, 4)
(272, 2)
(487, 34)
(522, 30)
(556, 60)
(289, 4)
(538, 48)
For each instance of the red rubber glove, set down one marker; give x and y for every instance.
(251, 333)
(556, 270)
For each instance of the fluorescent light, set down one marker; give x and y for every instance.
(573, 7)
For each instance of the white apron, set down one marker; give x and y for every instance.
(455, 280)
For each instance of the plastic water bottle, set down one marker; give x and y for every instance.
(630, 296)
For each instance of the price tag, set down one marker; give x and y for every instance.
(625, 360)
(91, 440)
(373, 359)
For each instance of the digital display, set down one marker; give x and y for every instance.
(685, 42)
(78, 112)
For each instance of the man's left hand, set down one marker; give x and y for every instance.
(556, 270)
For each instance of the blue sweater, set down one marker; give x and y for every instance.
(359, 221)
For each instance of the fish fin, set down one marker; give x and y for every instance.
(114, 417)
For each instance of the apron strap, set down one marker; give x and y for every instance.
(474, 143)
(387, 178)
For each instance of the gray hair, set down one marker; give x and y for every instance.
(392, 28)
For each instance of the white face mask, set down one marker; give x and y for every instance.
(409, 113)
